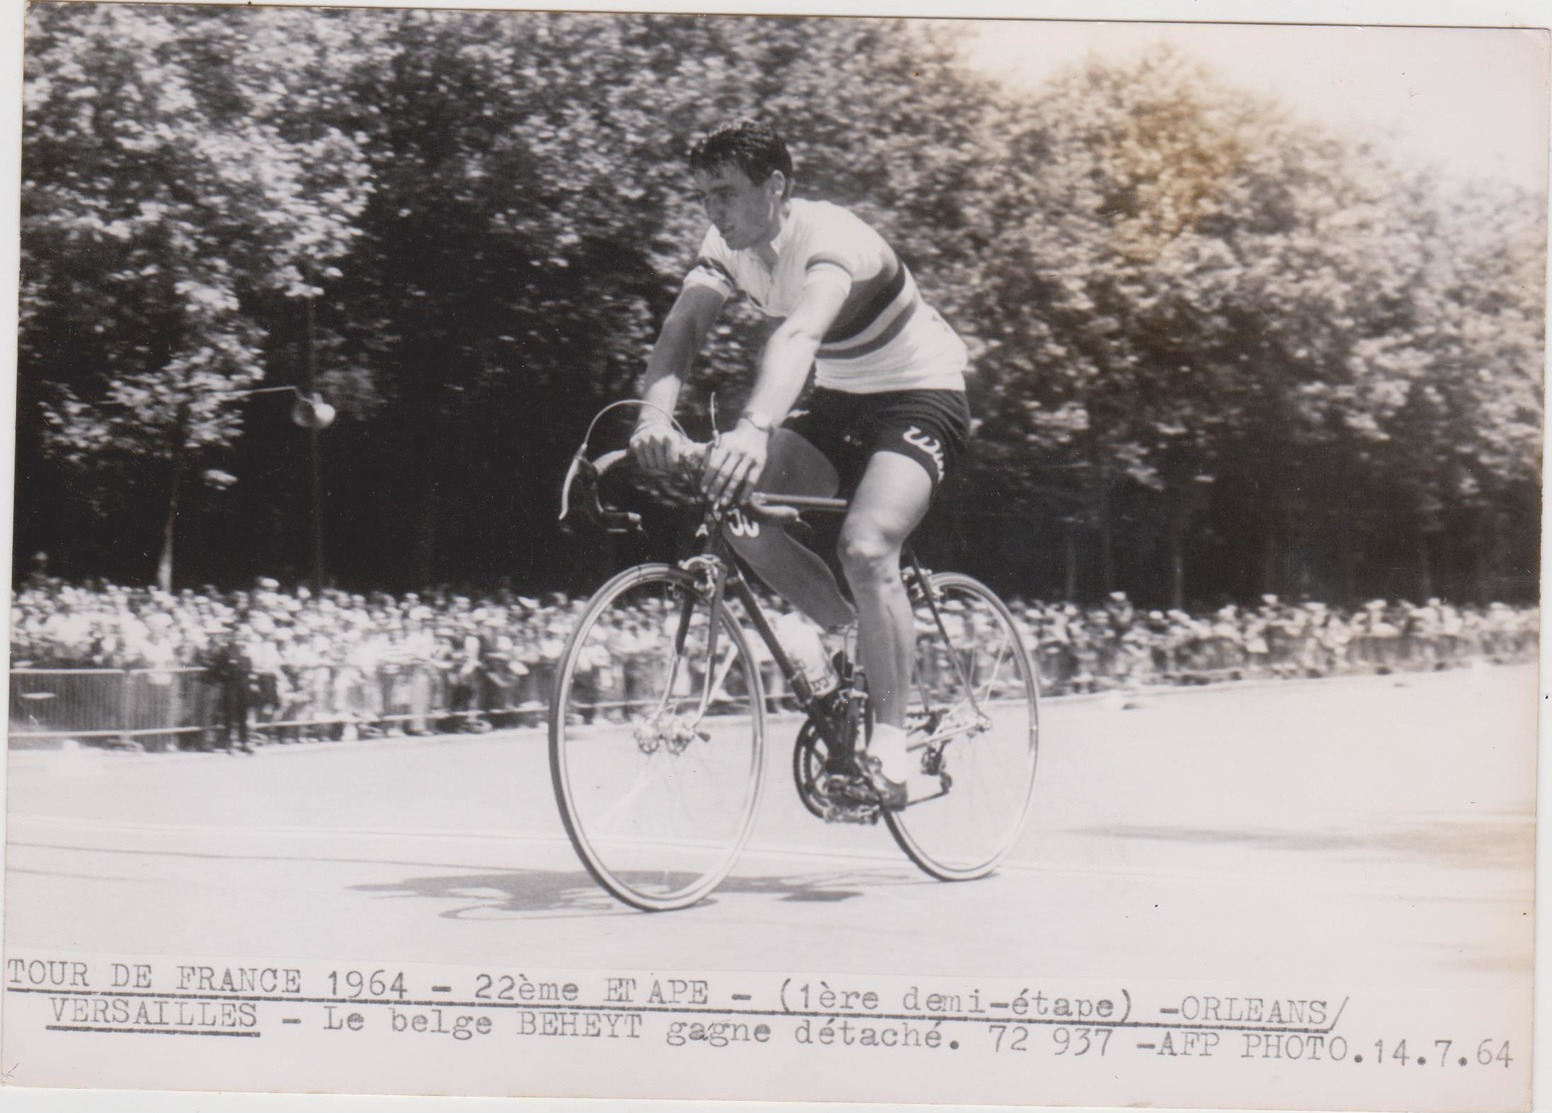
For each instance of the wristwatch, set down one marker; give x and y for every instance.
(759, 421)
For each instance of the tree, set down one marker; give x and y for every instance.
(531, 224)
(1201, 310)
(170, 182)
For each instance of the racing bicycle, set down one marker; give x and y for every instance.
(658, 714)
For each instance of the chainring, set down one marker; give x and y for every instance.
(829, 791)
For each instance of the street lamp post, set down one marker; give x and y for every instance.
(310, 412)
(313, 427)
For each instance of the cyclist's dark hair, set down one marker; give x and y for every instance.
(754, 148)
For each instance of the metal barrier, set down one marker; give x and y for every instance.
(159, 709)
(136, 708)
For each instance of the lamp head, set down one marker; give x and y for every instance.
(312, 413)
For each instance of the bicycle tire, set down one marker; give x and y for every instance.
(963, 834)
(656, 794)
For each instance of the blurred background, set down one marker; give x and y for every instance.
(1226, 344)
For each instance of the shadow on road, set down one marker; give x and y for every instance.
(573, 892)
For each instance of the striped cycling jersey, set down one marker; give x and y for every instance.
(885, 336)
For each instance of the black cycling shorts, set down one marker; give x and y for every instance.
(929, 426)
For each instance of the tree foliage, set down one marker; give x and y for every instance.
(1188, 292)
(170, 181)
(1217, 350)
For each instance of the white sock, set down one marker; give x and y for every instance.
(888, 745)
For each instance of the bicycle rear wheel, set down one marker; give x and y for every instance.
(976, 692)
(655, 744)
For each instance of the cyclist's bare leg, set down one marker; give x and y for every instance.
(890, 502)
(789, 568)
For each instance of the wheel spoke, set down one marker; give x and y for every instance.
(655, 749)
(714, 686)
(971, 666)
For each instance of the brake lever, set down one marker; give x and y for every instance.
(578, 462)
(588, 472)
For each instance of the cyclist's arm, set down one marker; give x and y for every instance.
(684, 331)
(789, 353)
(738, 458)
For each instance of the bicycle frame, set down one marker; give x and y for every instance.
(723, 570)
(724, 573)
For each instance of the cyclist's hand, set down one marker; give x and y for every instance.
(734, 464)
(656, 446)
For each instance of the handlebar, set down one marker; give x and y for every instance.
(775, 508)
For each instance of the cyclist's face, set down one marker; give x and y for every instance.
(745, 213)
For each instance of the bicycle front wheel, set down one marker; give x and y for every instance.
(656, 737)
(975, 704)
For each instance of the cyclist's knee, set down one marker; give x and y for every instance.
(868, 554)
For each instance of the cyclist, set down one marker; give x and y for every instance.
(886, 419)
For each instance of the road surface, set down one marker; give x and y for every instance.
(1376, 827)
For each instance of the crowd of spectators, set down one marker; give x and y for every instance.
(307, 664)
(1118, 646)
(332, 664)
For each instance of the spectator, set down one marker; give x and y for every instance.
(227, 664)
(293, 665)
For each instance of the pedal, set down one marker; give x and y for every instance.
(860, 814)
(845, 798)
